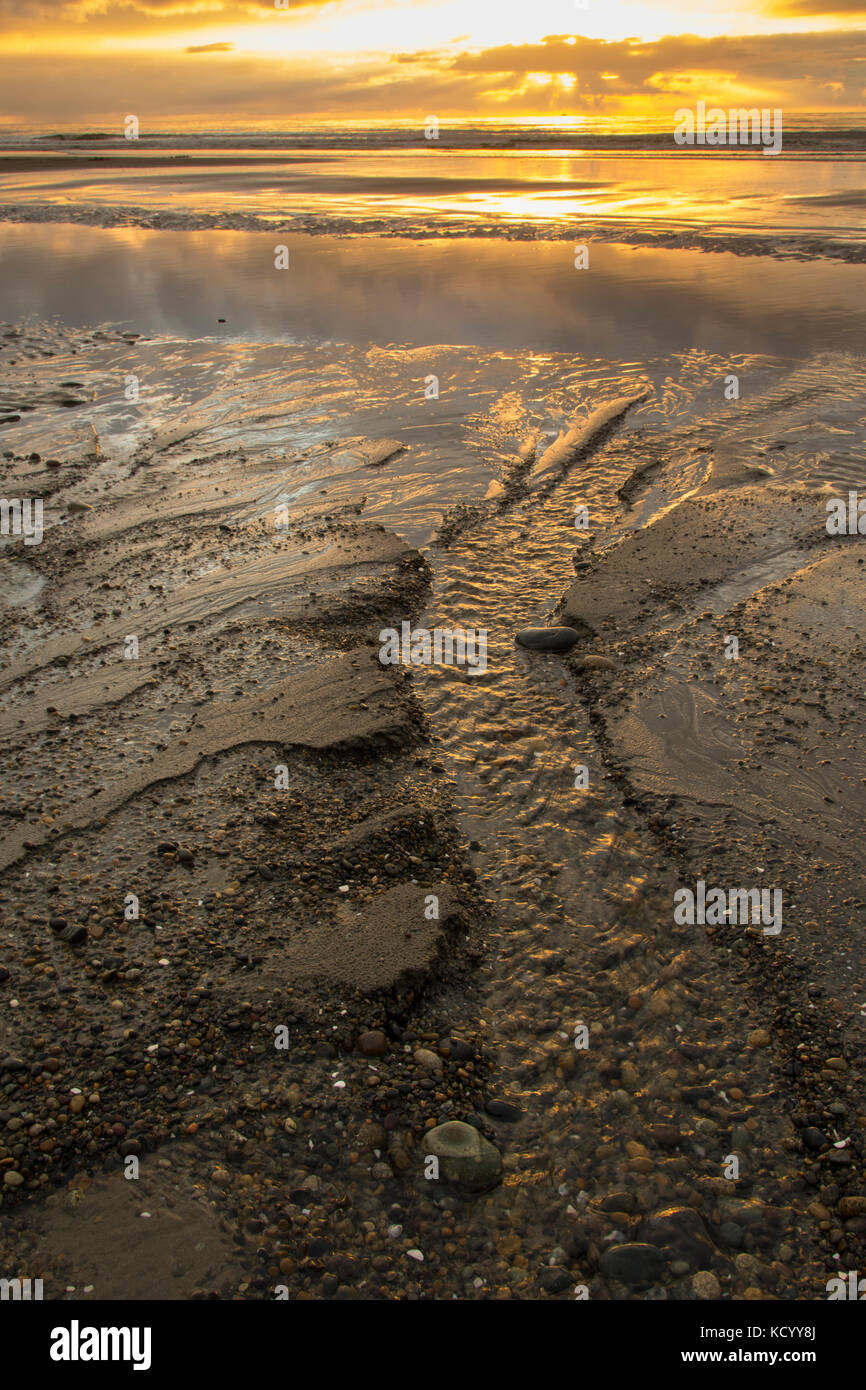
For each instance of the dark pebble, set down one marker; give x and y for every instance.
(814, 1139)
(502, 1110)
(547, 639)
(632, 1264)
(73, 936)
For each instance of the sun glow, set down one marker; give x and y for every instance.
(368, 59)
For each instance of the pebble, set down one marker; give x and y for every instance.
(430, 1061)
(465, 1157)
(632, 1264)
(547, 639)
(373, 1044)
(667, 1136)
(503, 1110)
(705, 1284)
(73, 936)
(596, 663)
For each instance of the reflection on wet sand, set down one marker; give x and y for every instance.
(435, 184)
(631, 303)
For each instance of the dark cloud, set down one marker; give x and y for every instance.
(758, 58)
(120, 17)
(815, 9)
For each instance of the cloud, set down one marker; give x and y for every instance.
(814, 9)
(210, 48)
(37, 18)
(803, 72)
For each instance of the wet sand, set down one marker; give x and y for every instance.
(791, 207)
(222, 853)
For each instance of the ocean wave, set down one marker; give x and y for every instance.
(800, 139)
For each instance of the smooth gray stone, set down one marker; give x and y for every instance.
(465, 1156)
(547, 639)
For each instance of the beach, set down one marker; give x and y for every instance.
(276, 913)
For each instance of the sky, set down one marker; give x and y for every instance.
(224, 63)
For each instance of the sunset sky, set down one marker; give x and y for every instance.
(229, 62)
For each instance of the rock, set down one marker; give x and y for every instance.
(840, 1158)
(503, 1110)
(373, 1043)
(11, 1064)
(759, 1037)
(374, 452)
(596, 663)
(632, 1264)
(630, 1077)
(57, 923)
(619, 1201)
(749, 1213)
(547, 639)
(667, 1136)
(852, 1206)
(680, 1231)
(73, 936)
(430, 1061)
(814, 1138)
(11, 1178)
(705, 1284)
(465, 1157)
(730, 1235)
(554, 1280)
